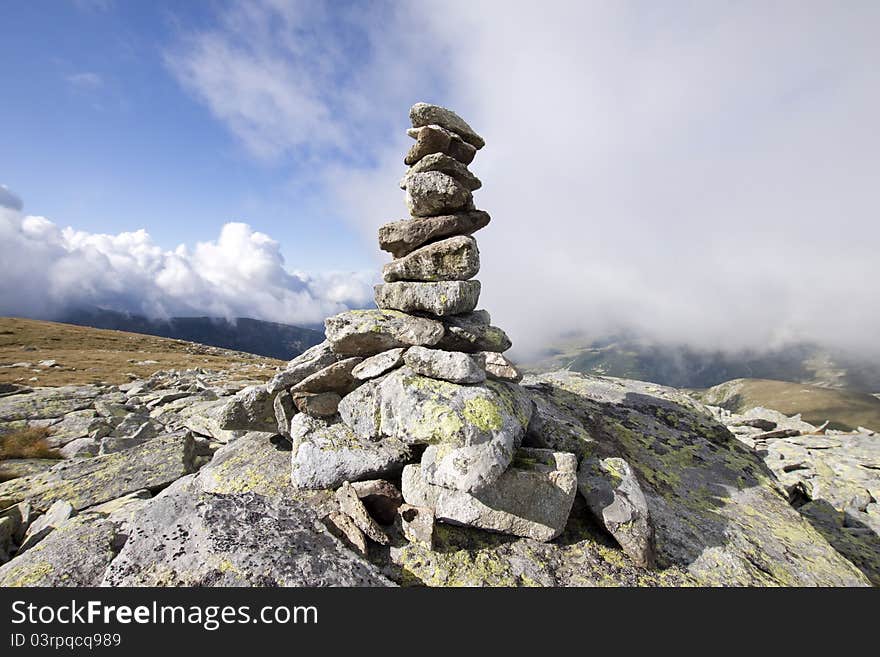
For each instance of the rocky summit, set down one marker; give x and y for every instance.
(408, 449)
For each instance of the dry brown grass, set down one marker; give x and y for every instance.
(87, 355)
(27, 444)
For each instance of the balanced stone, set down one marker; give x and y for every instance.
(251, 409)
(402, 237)
(377, 365)
(321, 404)
(333, 378)
(307, 363)
(452, 366)
(325, 455)
(369, 332)
(444, 164)
(472, 332)
(434, 139)
(422, 114)
(440, 298)
(452, 259)
(498, 367)
(615, 497)
(435, 193)
(531, 499)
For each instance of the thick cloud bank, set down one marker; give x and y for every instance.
(48, 270)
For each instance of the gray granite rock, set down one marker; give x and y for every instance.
(444, 164)
(441, 299)
(452, 366)
(379, 364)
(422, 114)
(452, 259)
(402, 237)
(369, 332)
(434, 193)
(307, 363)
(472, 332)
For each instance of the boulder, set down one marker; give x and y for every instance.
(333, 378)
(434, 139)
(532, 498)
(472, 332)
(86, 482)
(553, 427)
(402, 237)
(715, 507)
(417, 524)
(38, 529)
(435, 193)
(43, 403)
(80, 448)
(307, 363)
(498, 367)
(144, 433)
(379, 364)
(422, 114)
(351, 505)
(380, 497)
(613, 494)
(369, 332)
(326, 454)
(441, 298)
(444, 164)
(251, 409)
(450, 366)
(84, 423)
(187, 537)
(320, 404)
(452, 259)
(16, 468)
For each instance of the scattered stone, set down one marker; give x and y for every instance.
(434, 139)
(434, 193)
(452, 259)
(757, 423)
(552, 427)
(779, 433)
(80, 448)
(48, 363)
(307, 363)
(85, 423)
(345, 529)
(320, 404)
(422, 114)
(333, 378)
(18, 468)
(252, 409)
(45, 403)
(379, 364)
(351, 505)
(369, 332)
(402, 237)
(146, 432)
(381, 498)
(472, 332)
(450, 366)
(324, 455)
(440, 298)
(45, 524)
(444, 164)
(615, 497)
(417, 523)
(531, 499)
(284, 412)
(498, 367)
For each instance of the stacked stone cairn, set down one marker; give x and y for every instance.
(419, 388)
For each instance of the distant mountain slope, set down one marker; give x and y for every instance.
(271, 339)
(844, 409)
(683, 367)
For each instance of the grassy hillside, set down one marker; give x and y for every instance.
(87, 355)
(844, 409)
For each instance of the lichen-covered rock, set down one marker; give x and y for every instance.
(369, 332)
(441, 298)
(433, 193)
(553, 427)
(43, 403)
(76, 553)
(318, 404)
(417, 524)
(252, 409)
(451, 259)
(86, 482)
(498, 367)
(532, 498)
(422, 114)
(379, 364)
(324, 455)
(402, 237)
(715, 507)
(187, 537)
(434, 139)
(307, 363)
(17, 468)
(336, 377)
(54, 516)
(472, 332)
(452, 366)
(444, 164)
(613, 494)
(80, 448)
(84, 423)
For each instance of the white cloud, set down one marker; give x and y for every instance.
(698, 172)
(48, 270)
(85, 80)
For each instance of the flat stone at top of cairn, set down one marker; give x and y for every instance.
(422, 114)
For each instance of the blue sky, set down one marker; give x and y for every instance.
(694, 172)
